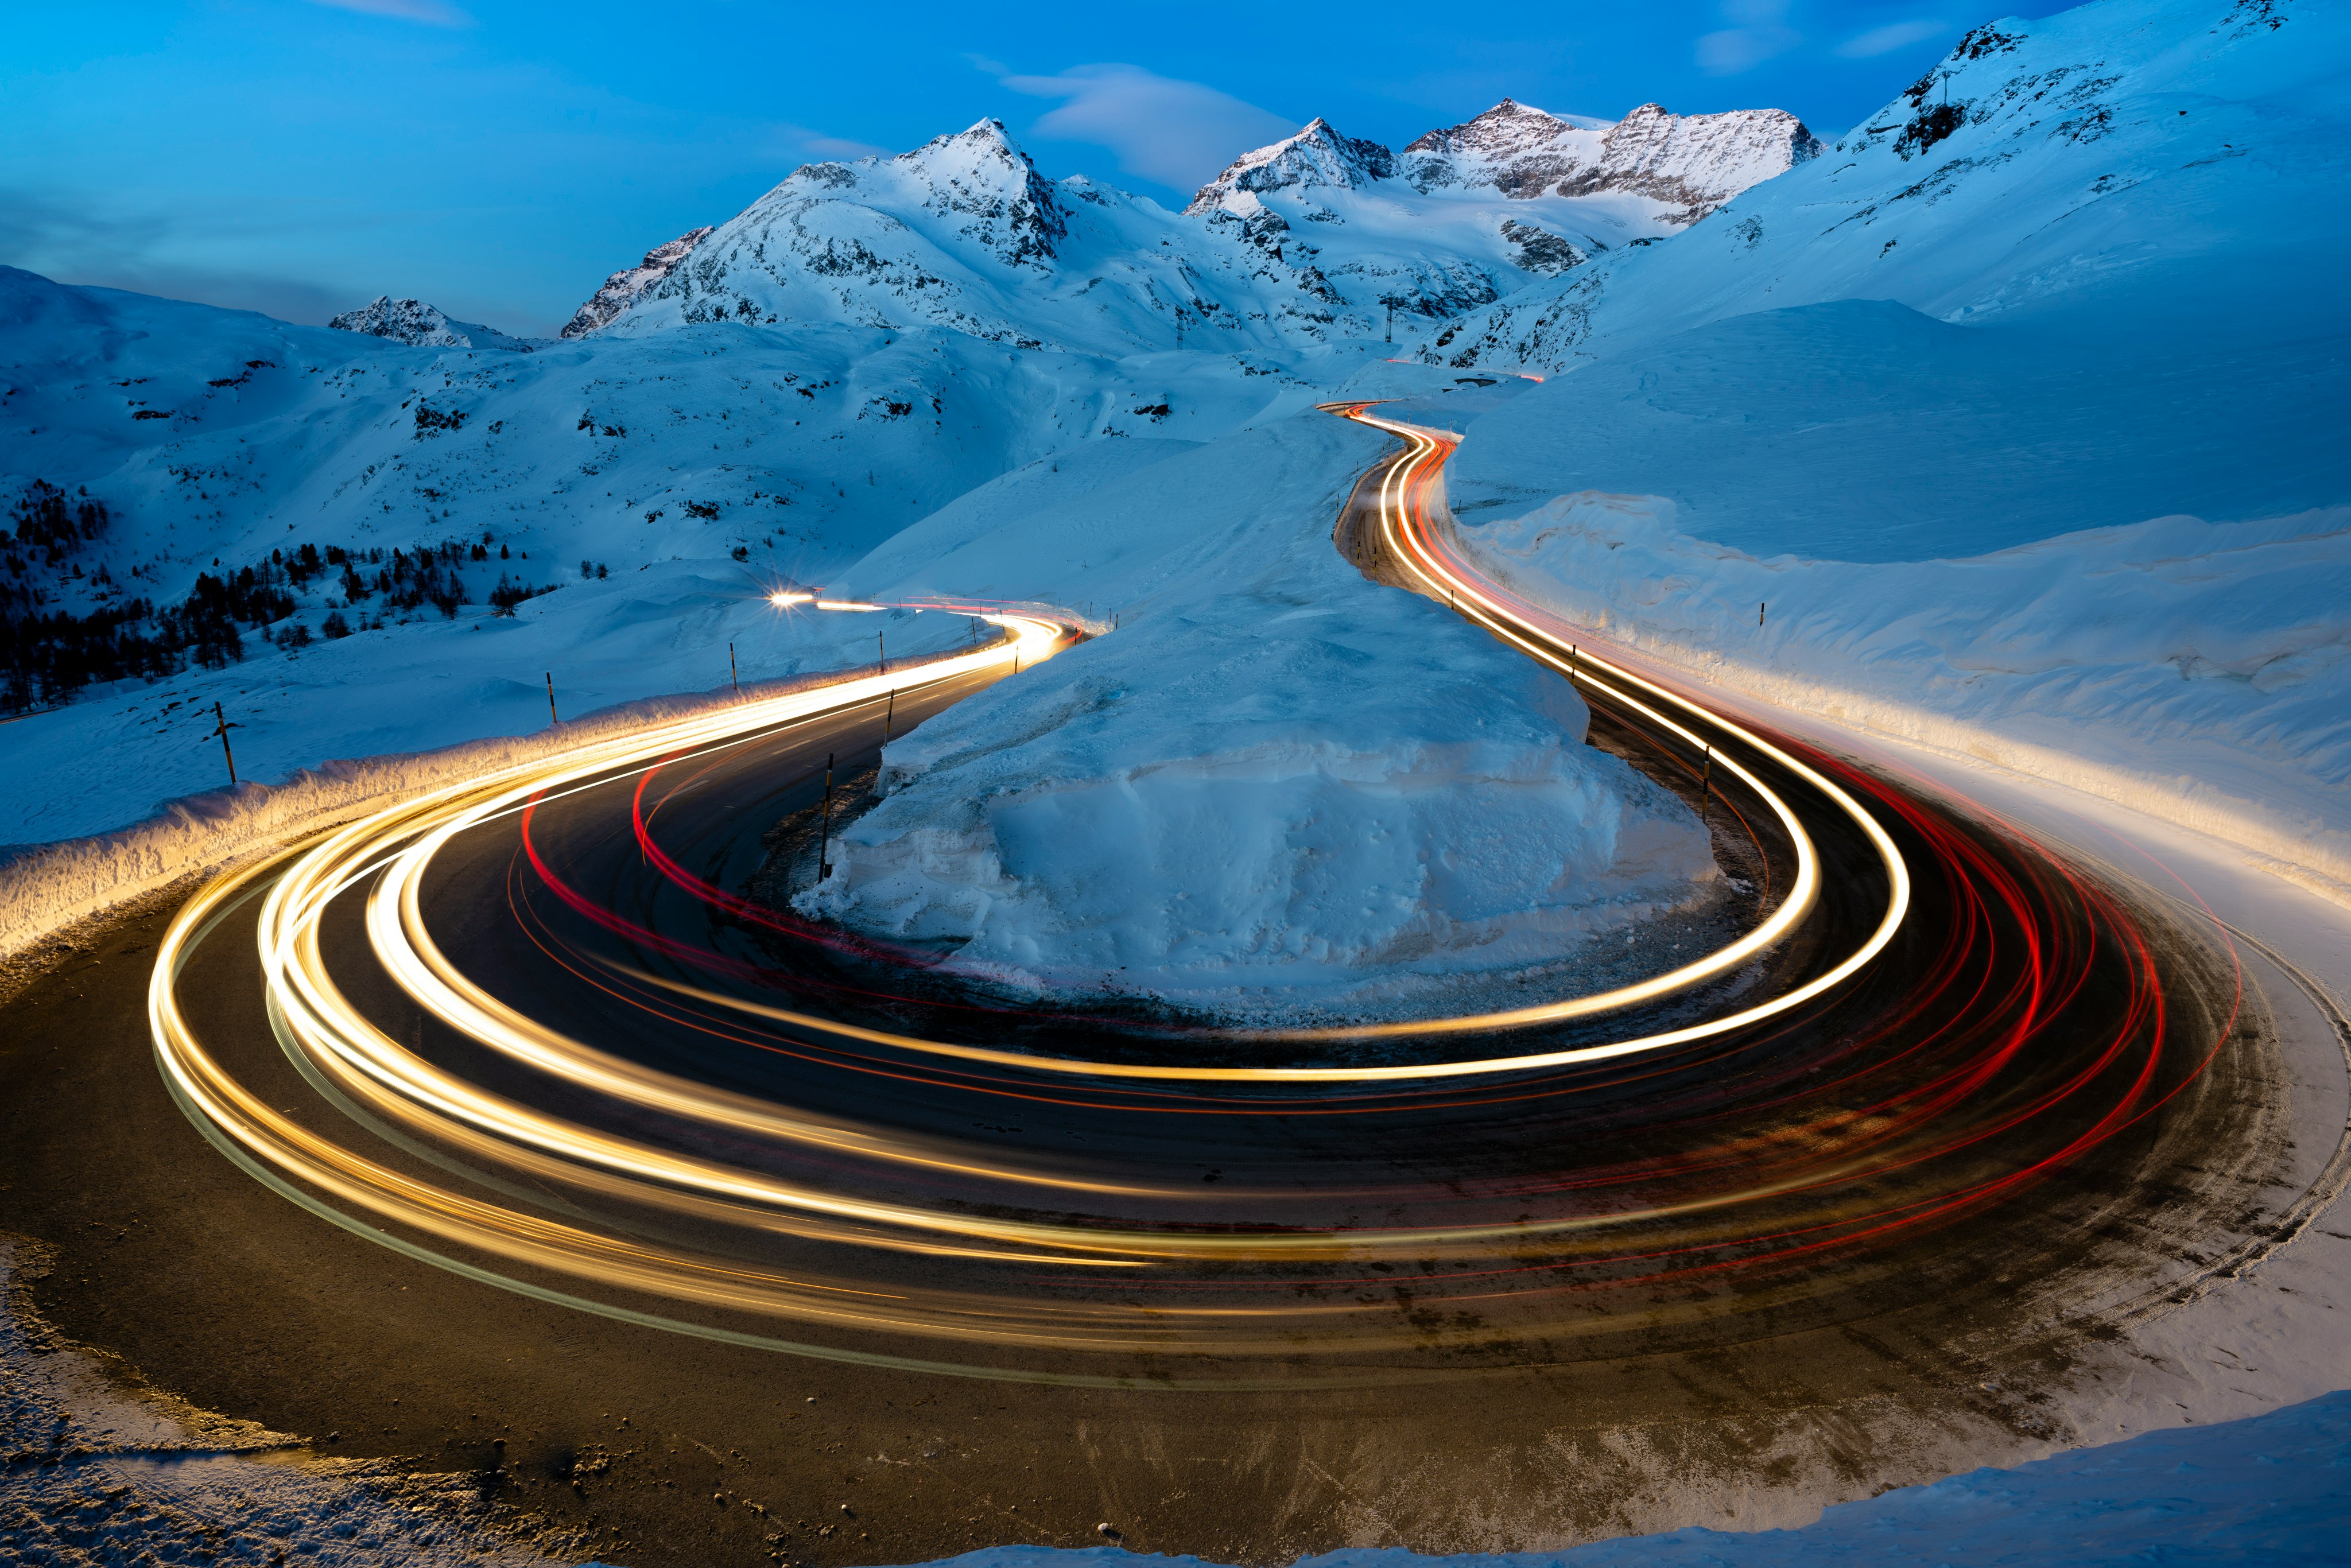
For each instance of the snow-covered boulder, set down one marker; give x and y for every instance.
(419, 325)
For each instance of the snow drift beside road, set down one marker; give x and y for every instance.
(2199, 671)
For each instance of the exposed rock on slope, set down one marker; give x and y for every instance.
(419, 325)
(623, 288)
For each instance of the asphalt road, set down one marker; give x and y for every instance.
(1903, 1209)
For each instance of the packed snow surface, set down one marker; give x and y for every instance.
(96, 1476)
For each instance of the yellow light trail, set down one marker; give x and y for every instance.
(386, 857)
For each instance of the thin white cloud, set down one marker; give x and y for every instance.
(1893, 35)
(788, 140)
(838, 147)
(1177, 133)
(433, 13)
(1760, 31)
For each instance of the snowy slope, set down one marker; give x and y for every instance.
(697, 468)
(2089, 304)
(1864, 431)
(2121, 163)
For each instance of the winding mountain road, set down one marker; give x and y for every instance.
(555, 1058)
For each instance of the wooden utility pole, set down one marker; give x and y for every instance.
(551, 698)
(221, 728)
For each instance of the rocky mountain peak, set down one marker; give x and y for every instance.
(413, 322)
(1318, 157)
(980, 174)
(1510, 127)
(623, 288)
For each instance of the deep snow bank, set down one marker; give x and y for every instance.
(1274, 778)
(2200, 671)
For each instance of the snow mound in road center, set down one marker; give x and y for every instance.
(1276, 787)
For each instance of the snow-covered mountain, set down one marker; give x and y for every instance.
(1316, 237)
(419, 325)
(2129, 159)
(623, 288)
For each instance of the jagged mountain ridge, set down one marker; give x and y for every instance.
(1315, 237)
(1694, 163)
(624, 287)
(421, 326)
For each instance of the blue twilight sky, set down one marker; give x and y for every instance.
(498, 157)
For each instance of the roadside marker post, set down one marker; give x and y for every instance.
(221, 728)
(551, 698)
(824, 833)
(732, 673)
